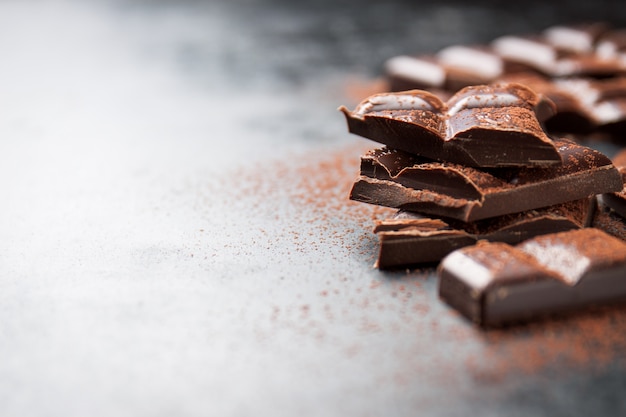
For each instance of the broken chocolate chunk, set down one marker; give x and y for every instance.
(494, 284)
(397, 179)
(480, 126)
(411, 239)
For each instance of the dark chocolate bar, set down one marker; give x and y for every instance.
(494, 284)
(410, 239)
(401, 180)
(617, 200)
(481, 126)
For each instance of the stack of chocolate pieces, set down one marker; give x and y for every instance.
(581, 68)
(477, 167)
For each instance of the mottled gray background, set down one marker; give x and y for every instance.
(158, 256)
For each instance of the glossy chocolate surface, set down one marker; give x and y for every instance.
(494, 284)
(481, 126)
(396, 179)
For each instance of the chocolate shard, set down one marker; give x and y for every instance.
(406, 72)
(450, 69)
(495, 284)
(411, 239)
(576, 39)
(480, 126)
(617, 201)
(397, 179)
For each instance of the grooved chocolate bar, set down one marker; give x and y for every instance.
(401, 180)
(410, 239)
(617, 201)
(495, 283)
(481, 126)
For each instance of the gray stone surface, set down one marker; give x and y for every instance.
(164, 250)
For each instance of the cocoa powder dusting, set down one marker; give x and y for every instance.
(586, 341)
(404, 305)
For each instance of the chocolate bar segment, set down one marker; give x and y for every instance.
(480, 126)
(396, 179)
(411, 239)
(450, 69)
(494, 284)
(617, 200)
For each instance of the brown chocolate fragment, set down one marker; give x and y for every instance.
(481, 126)
(411, 239)
(617, 200)
(494, 284)
(397, 179)
(450, 69)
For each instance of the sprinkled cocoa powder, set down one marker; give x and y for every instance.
(400, 307)
(607, 220)
(590, 340)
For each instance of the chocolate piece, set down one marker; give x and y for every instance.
(482, 126)
(617, 201)
(494, 284)
(579, 39)
(406, 72)
(397, 179)
(450, 69)
(411, 239)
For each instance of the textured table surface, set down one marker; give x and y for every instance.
(175, 233)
